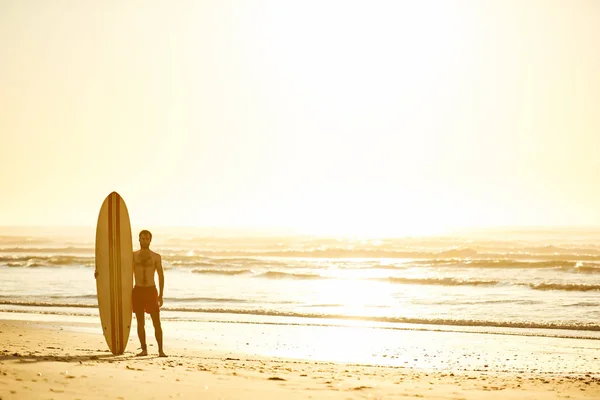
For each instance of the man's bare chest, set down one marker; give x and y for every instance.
(143, 261)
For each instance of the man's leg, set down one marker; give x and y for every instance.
(141, 332)
(158, 332)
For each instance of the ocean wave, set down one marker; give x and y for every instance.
(82, 297)
(214, 264)
(287, 275)
(243, 261)
(443, 281)
(223, 271)
(551, 249)
(571, 287)
(459, 254)
(387, 266)
(438, 281)
(205, 300)
(335, 305)
(403, 320)
(499, 301)
(379, 319)
(36, 250)
(205, 261)
(19, 240)
(90, 301)
(582, 304)
(46, 261)
(459, 257)
(30, 303)
(464, 252)
(184, 263)
(235, 255)
(260, 274)
(565, 265)
(583, 268)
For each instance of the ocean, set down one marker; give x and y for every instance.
(516, 282)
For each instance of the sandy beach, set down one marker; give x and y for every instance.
(67, 360)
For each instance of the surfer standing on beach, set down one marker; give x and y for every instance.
(146, 299)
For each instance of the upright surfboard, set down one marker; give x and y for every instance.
(114, 267)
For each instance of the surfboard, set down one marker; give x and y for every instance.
(114, 267)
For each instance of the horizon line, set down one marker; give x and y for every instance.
(290, 231)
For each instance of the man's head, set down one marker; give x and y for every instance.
(145, 239)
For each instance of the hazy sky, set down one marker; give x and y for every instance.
(375, 117)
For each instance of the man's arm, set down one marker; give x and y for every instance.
(161, 280)
(133, 267)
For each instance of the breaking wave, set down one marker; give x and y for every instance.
(400, 280)
(571, 287)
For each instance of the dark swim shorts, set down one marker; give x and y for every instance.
(145, 299)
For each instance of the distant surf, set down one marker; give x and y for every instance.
(543, 280)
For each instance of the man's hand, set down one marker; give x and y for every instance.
(160, 301)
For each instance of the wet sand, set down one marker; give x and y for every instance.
(58, 360)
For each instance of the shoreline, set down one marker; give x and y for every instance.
(421, 347)
(69, 359)
(258, 317)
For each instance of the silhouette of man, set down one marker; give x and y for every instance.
(145, 297)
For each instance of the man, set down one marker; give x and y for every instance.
(145, 297)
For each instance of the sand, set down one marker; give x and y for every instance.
(58, 360)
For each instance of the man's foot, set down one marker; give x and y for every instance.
(142, 353)
(162, 354)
